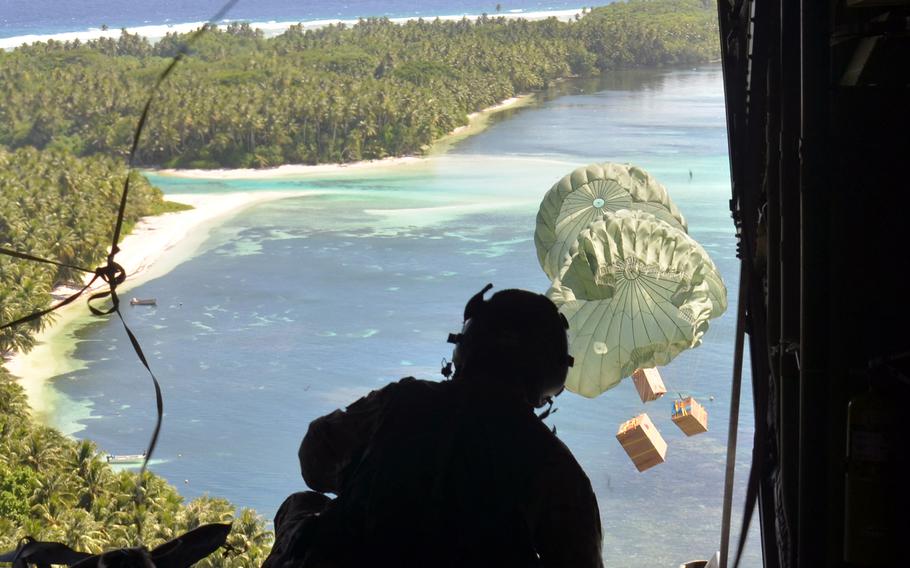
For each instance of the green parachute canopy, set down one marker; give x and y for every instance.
(636, 292)
(584, 196)
(717, 290)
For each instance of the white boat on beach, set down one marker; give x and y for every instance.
(144, 302)
(125, 458)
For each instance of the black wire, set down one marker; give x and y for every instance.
(550, 410)
(41, 313)
(112, 273)
(159, 402)
(184, 49)
(26, 256)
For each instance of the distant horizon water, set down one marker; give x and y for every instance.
(51, 17)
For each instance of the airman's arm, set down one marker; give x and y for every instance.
(337, 440)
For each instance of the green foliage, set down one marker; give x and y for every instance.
(335, 94)
(651, 32)
(60, 207)
(16, 485)
(168, 207)
(422, 72)
(55, 488)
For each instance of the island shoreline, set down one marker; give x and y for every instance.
(477, 122)
(160, 243)
(154, 33)
(157, 245)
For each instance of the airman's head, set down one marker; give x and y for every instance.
(516, 336)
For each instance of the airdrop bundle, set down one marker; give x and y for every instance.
(636, 289)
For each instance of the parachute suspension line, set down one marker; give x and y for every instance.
(672, 386)
(697, 369)
(113, 274)
(683, 387)
(733, 426)
(26, 256)
(679, 386)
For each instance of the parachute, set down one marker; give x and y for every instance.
(634, 292)
(636, 289)
(584, 195)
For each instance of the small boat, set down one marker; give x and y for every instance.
(126, 458)
(144, 302)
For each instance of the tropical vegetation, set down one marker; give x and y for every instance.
(56, 206)
(54, 488)
(336, 94)
(68, 112)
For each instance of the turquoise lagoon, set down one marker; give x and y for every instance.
(296, 307)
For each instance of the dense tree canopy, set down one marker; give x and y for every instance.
(56, 206)
(334, 94)
(58, 489)
(67, 117)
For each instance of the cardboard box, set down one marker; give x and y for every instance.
(691, 417)
(642, 442)
(648, 384)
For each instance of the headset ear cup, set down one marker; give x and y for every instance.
(548, 384)
(514, 336)
(463, 342)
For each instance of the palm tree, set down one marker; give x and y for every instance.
(205, 510)
(248, 527)
(39, 451)
(13, 402)
(53, 492)
(93, 482)
(81, 532)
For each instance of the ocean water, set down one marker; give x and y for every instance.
(296, 307)
(39, 17)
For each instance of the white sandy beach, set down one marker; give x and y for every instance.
(289, 169)
(269, 29)
(477, 122)
(156, 245)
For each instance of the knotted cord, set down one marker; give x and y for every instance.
(112, 273)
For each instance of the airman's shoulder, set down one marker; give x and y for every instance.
(414, 386)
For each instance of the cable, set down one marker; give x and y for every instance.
(112, 273)
(733, 427)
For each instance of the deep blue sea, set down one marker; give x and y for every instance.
(296, 307)
(18, 17)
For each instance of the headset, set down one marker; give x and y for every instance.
(499, 336)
